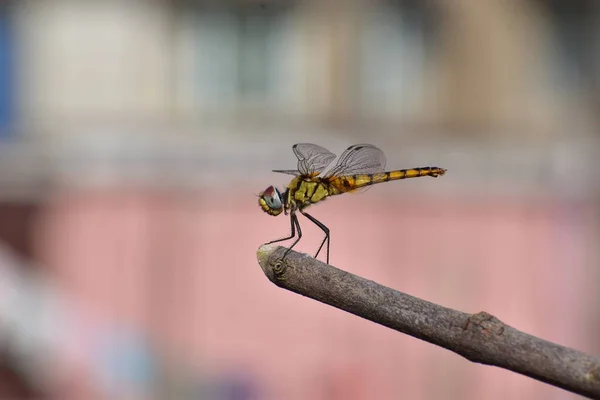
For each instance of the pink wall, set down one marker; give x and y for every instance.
(183, 267)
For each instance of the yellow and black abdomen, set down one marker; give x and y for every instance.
(342, 184)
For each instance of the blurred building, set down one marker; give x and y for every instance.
(515, 65)
(136, 133)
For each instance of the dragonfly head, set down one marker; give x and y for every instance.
(271, 201)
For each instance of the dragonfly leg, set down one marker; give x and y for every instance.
(294, 225)
(324, 229)
(295, 222)
(292, 234)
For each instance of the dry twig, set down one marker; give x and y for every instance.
(480, 338)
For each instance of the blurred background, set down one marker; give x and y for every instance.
(135, 136)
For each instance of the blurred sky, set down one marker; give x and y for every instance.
(135, 136)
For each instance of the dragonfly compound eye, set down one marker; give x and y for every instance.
(270, 201)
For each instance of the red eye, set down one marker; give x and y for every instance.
(269, 192)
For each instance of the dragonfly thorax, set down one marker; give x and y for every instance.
(271, 201)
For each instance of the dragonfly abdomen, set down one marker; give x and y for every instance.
(416, 173)
(352, 182)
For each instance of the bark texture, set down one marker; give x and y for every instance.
(480, 337)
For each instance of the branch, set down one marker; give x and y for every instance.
(480, 338)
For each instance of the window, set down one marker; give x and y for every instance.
(393, 54)
(575, 28)
(241, 57)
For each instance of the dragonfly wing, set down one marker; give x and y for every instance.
(359, 159)
(294, 172)
(312, 159)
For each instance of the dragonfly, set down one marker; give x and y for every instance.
(358, 168)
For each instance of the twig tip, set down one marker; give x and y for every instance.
(264, 252)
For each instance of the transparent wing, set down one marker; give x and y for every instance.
(287, 171)
(312, 159)
(359, 159)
